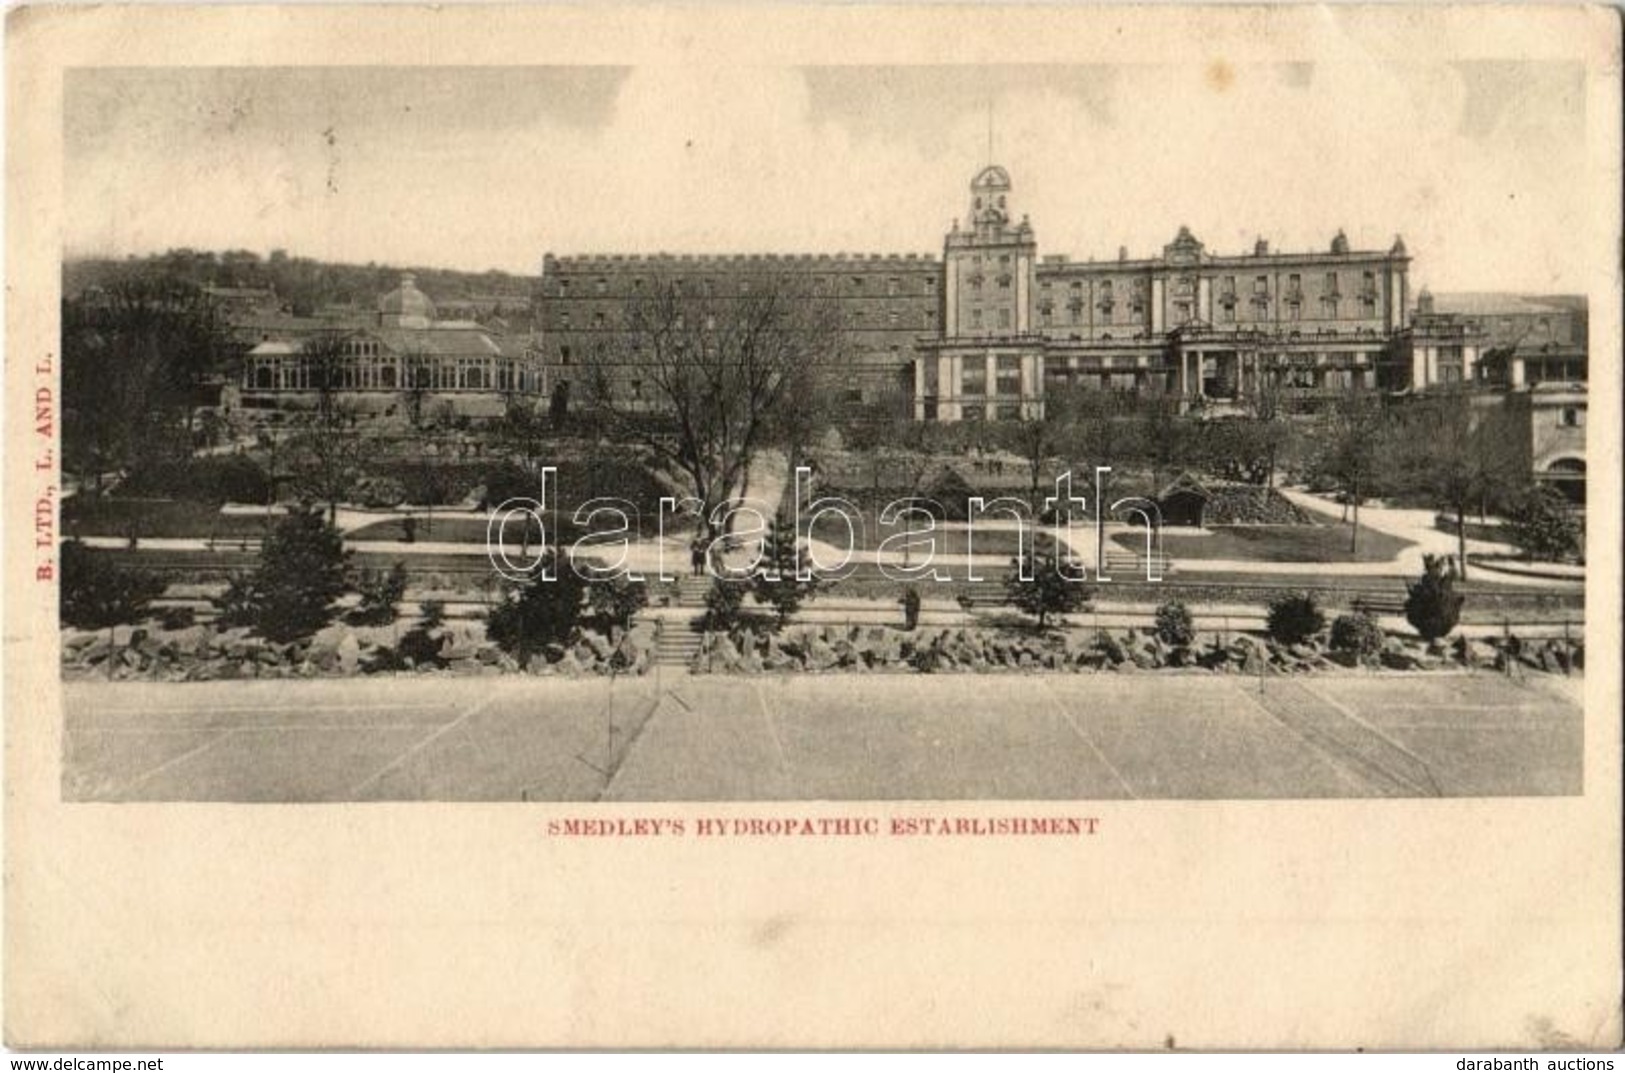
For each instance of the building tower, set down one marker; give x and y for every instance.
(989, 268)
(987, 363)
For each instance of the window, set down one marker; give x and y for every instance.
(1008, 411)
(973, 413)
(1004, 318)
(598, 320)
(1570, 418)
(891, 287)
(564, 320)
(600, 285)
(1331, 283)
(857, 283)
(891, 318)
(1294, 310)
(1368, 305)
(1261, 285)
(976, 318)
(564, 355)
(1008, 371)
(973, 379)
(1004, 283)
(1227, 313)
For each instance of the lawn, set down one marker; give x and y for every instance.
(1272, 544)
(87, 516)
(952, 541)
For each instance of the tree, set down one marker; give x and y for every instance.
(1452, 454)
(96, 593)
(1543, 525)
(303, 569)
(695, 377)
(776, 582)
(1043, 585)
(1433, 606)
(536, 612)
(1162, 436)
(616, 601)
(1352, 451)
(381, 594)
(133, 358)
(327, 456)
(1036, 440)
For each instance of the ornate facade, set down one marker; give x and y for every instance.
(993, 327)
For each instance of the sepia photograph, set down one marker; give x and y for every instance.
(1233, 491)
(739, 443)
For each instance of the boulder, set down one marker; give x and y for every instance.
(349, 653)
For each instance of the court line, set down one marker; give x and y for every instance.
(413, 750)
(172, 761)
(1066, 714)
(1338, 762)
(773, 734)
(1352, 715)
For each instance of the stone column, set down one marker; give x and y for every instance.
(919, 388)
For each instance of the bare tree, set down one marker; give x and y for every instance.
(696, 377)
(1353, 442)
(327, 455)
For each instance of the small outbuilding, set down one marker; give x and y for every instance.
(1183, 501)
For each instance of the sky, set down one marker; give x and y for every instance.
(1476, 164)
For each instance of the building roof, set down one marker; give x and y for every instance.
(274, 348)
(437, 341)
(406, 300)
(1492, 303)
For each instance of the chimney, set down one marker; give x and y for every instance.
(1122, 253)
(1261, 248)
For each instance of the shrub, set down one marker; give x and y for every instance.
(379, 492)
(723, 601)
(911, 607)
(1174, 626)
(381, 592)
(1434, 606)
(1051, 587)
(953, 493)
(96, 592)
(616, 601)
(177, 618)
(421, 644)
(777, 582)
(537, 612)
(303, 569)
(1357, 634)
(1543, 527)
(1293, 618)
(219, 479)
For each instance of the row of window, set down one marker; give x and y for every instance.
(891, 286)
(386, 374)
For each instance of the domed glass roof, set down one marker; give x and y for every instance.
(406, 300)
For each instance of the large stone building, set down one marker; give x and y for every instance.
(987, 331)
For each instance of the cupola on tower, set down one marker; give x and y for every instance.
(988, 267)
